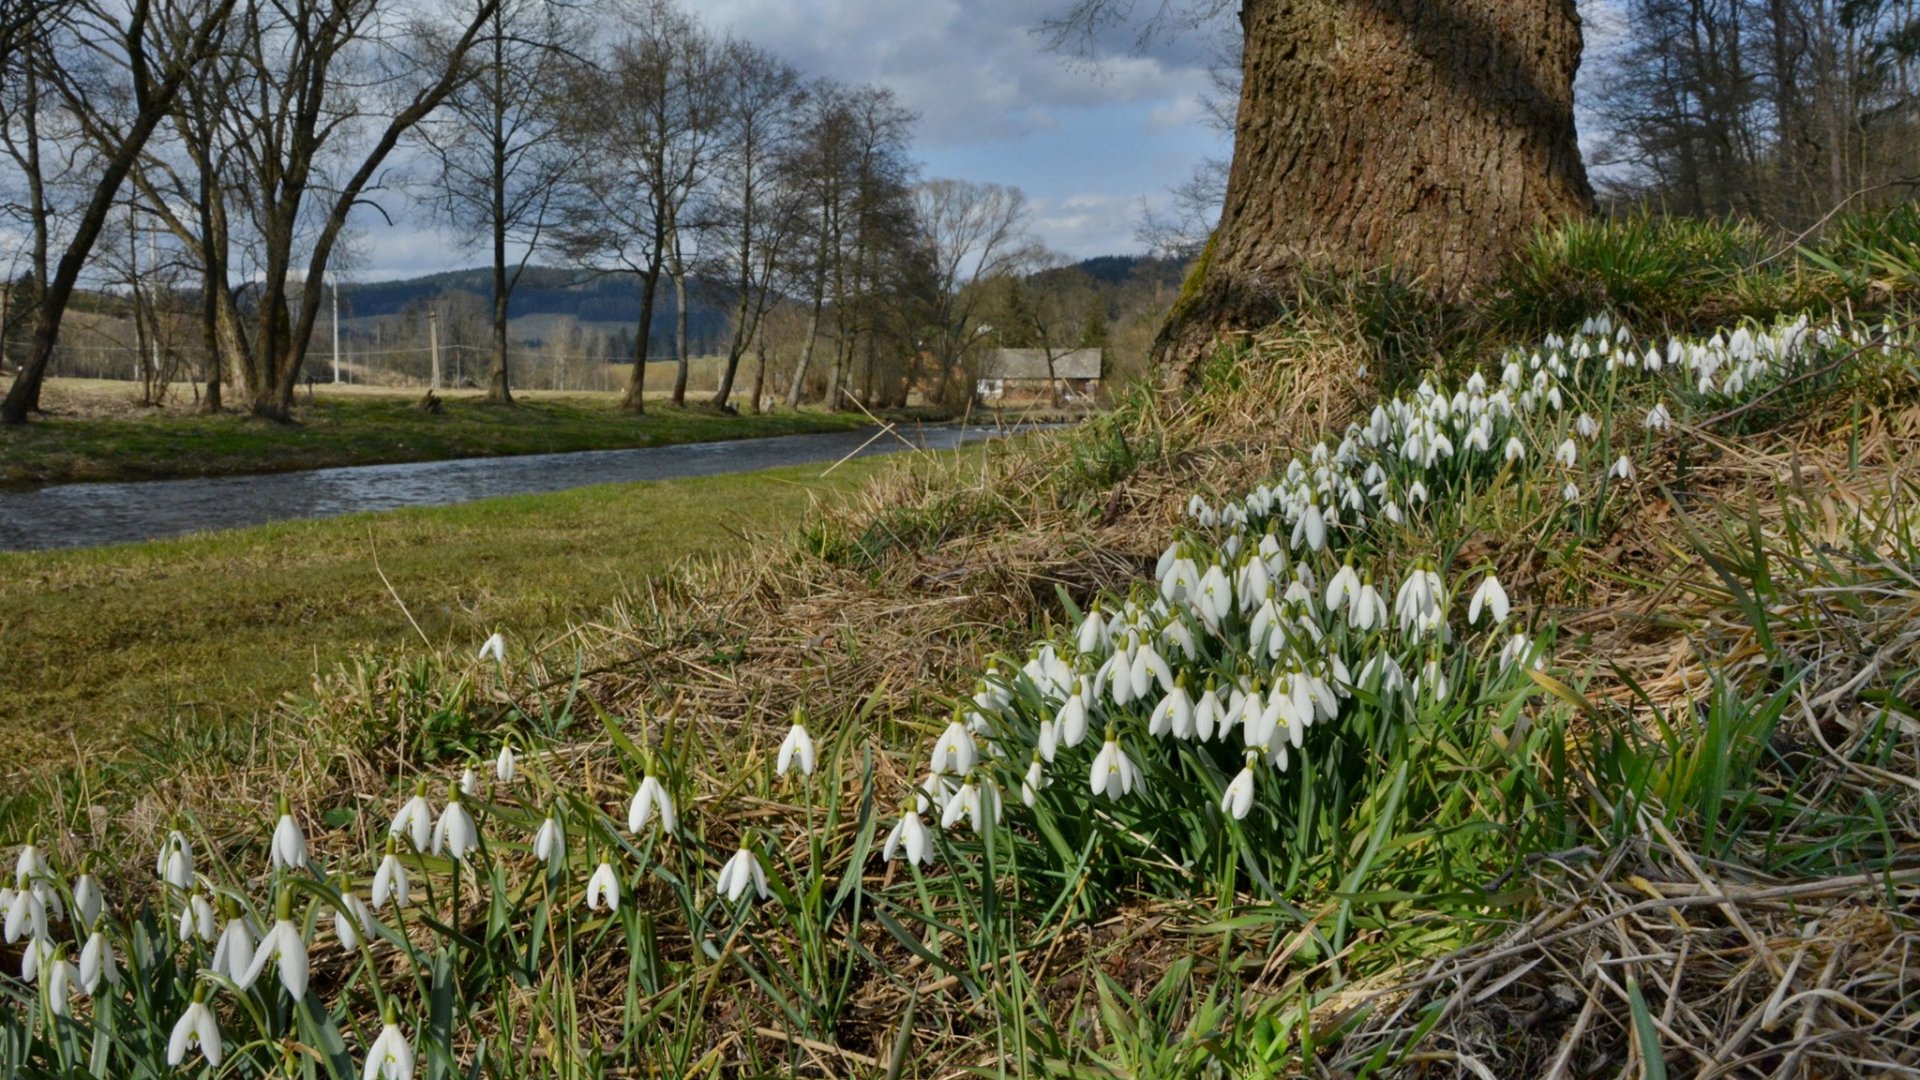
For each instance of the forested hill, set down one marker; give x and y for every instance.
(589, 298)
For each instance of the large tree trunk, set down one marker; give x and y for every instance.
(635, 400)
(1430, 137)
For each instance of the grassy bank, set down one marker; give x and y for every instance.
(1675, 830)
(129, 645)
(355, 427)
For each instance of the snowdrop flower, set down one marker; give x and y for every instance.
(1092, 635)
(1237, 799)
(652, 796)
(1344, 586)
(1033, 783)
(495, 649)
(1208, 715)
(1587, 426)
(603, 889)
(1311, 527)
(550, 842)
(504, 765)
(233, 953)
(1174, 714)
(1369, 608)
(1434, 679)
(196, 1027)
(1419, 603)
(390, 881)
(30, 864)
(797, 749)
(175, 864)
(954, 752)
(1623, 469)
(61, 978)
(1568, 454)
(1517, 650)
(414, 819)
(98, 964)
(455, 832)
(1113, 773)
(909, 835)
(1489, 597)
(352, 922)
(1571, 492)
(196, 918)
(391, 1055)
(1515, 450)
(283, 943)
(469, 783)
(289, 849)
(1658, 418)
(26, 917)
(742, 872)
(88, 900)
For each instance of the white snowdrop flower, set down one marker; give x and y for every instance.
(603, 889)
(495, 649)
(1515, 450)
(1032, 784)
(1252, 584)
(1343, 586)
(1518, 650)
(1417, 493)
(175, 864)
(233, 952)
(196, 918)
(1150, 667)
(742, 872)
(352, 922)
(550, 842)
(1369, 608)
(1312, 528)
(196, 1028)
(469, 783)
(98, 965)
(651, 797)
(1571, 492)
(1623, 469)
(1554, 400)
(1658, 418)
(88, 900)
(289, 848)
(1433, 678)
(1091, 638)
(455, 832)
(1490, 597)
(61, 978)
(1047, 740)
(909, 835)
(954, 751)
(391, 1055)
(1176, 633)
(1384, 668)
(1113, 773)
(1419, 604)
(795, 750)
(1391, 511)
(1174, 714)
(1237, 799)
(1568, 454)
(38, 954)
(1587, 426)
(286, 944)
(30, 864)
(1208, 715)
(414, 820)
(390, 882)
(26, 917)
(504, 764)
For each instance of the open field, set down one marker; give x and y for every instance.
(113, 646)
(96, 433)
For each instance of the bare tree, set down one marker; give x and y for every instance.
(642, 124)
(972, 233)
(144, 50)
(753, 214)
(501, 156)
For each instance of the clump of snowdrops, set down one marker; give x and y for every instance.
(1269, 679)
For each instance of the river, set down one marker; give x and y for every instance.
(84, 515)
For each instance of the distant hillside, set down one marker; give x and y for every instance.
(546, 298)
(1123, 269)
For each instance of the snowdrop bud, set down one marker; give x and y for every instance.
(98, 964)
(390, 881)
(1237, 799)
(504, 765)
(469, 783)
(1033, 783)
(352, 922)
(289, 848)
(88, 900)
(550, 842)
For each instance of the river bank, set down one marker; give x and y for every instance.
(93, 432)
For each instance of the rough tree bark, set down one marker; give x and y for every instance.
(1426, 136)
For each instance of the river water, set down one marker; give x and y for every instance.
(83, 515)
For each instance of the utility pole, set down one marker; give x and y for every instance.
(336, 328)
(433, 345)
(153, 309)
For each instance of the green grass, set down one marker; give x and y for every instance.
(103, 642)
(363, 430)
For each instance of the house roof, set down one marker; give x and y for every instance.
(1032, 364)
